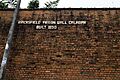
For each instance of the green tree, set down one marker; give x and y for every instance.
(51, 4)
(4, 4)
(34, 4)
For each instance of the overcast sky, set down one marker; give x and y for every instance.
(78, 3)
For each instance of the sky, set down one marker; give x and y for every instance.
(78, 3)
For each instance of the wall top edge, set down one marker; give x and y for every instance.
(63, 9)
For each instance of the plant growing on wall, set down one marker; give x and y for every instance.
(51, 4)
(4, 4)
(34, 4)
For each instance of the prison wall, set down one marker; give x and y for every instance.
(71, 52)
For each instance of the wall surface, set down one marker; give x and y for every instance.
(71, 52)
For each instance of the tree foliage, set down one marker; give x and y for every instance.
(34, 4)
(51, 4)
(4, 4)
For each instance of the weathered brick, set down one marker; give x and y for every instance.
(72, 52)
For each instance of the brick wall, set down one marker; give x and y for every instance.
(72, 52)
